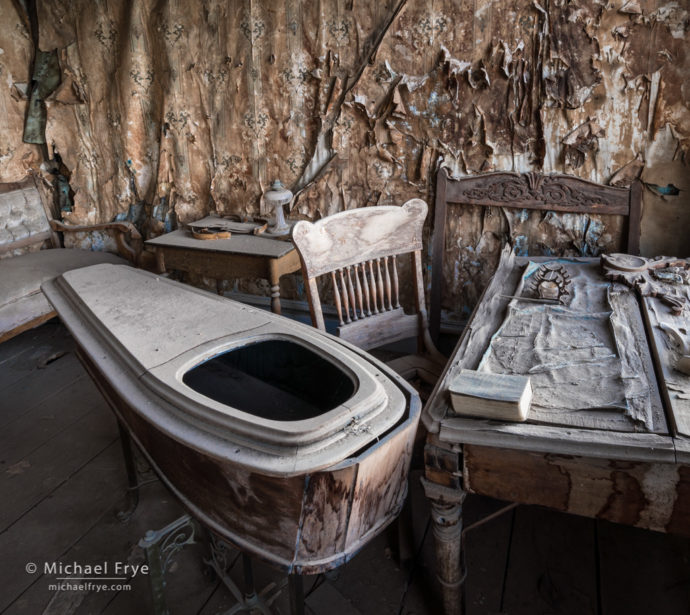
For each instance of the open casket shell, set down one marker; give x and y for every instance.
(303, 482)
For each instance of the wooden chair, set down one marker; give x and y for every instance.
(30, 254)
(558, 193)
(358, 251)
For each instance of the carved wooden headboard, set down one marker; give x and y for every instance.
(558, 193)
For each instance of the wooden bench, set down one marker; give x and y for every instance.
(31, 253)
(529, 191)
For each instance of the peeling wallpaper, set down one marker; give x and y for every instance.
(16, 55)
(170, 109)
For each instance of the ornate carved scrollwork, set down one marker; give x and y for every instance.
(530, 187)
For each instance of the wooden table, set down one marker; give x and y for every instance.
(240, 256)
(604, 438)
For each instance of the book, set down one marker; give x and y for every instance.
(504, 397)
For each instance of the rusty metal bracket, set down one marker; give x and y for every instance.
(248, 600)
(160, 547)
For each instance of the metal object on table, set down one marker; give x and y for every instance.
(664, 277)
(551, 282)
(216, 227)
(210, 232)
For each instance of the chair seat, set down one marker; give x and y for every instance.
(22, 304)
(414, 365)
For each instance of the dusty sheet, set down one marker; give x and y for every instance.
(582, 358)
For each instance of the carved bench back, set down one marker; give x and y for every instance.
(24, 223)
(559, 193)
(357, 250)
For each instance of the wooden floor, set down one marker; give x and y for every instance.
(62, 479)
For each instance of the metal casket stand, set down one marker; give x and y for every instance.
(285, 442)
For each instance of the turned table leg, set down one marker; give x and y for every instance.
(274, 280)
(160, 261)
(446, 520)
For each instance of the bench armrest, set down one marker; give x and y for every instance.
(131, 251)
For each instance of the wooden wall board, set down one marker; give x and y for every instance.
(552, 565)
(56, 413)
(20, 396)
(25, 356)
(649, 495)
(657, 579)
(487, 554)
(33, 478)
(68, 522)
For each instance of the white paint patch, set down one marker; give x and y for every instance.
(664, 141)
(673, 16)
(144, 177)
(659, 487)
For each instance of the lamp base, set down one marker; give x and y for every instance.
(279, 230)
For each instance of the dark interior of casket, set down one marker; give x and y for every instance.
(273, 379)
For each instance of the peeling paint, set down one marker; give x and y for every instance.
(190, 110)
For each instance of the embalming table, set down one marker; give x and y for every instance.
(241, 256)
(607, 433)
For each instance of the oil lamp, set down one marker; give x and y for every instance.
(275, 198)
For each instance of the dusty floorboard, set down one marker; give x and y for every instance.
(62, 480)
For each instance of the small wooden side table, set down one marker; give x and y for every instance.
(240, 256)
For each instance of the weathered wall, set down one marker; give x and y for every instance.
(16, 54)
(174, 105)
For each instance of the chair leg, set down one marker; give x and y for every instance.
(296, 591)
(405, 533)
